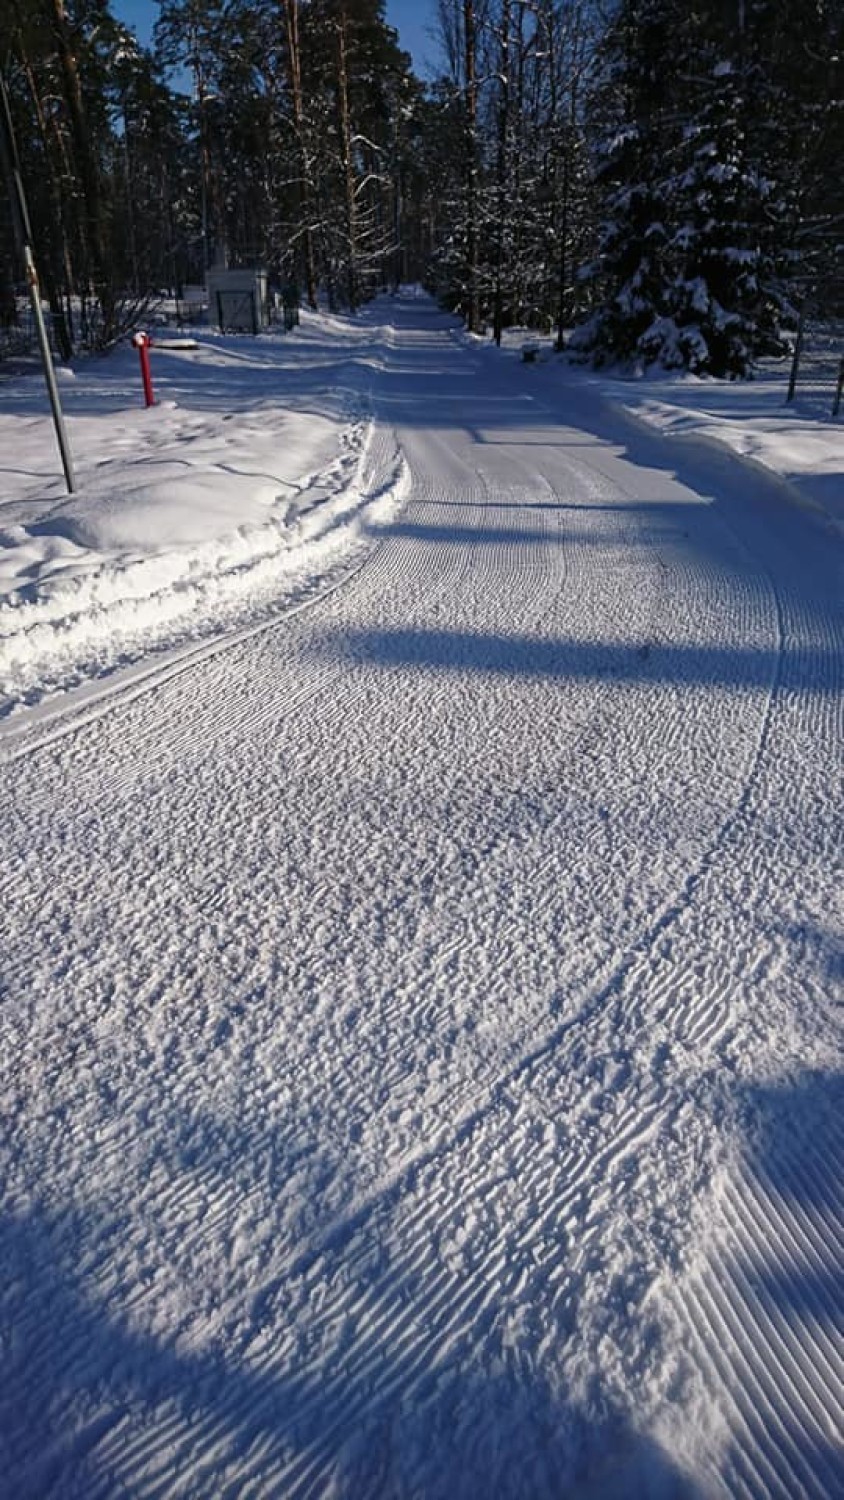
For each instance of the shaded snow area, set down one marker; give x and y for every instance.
(801, 443)
(420, 1063)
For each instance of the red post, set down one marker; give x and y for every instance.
(142, 342)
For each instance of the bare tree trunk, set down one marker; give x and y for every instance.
(86, 166)
(131, 230)
(345, 123)
(294, 64)
(501, 167)
(471, 94)
(213, 233)
(51, 277)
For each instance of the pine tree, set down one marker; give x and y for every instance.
(59, 60)
(190, 33)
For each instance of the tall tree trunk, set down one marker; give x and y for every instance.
(294, 64)
(213, 242)
(86, 166)
(51, 276)
(501, 214)
(471, 95)
(345, 124)
(131, 232)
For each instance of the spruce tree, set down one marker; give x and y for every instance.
(699, 130)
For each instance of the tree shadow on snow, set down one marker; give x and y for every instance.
(782, 1264)
(402, 1401)
(561, 660)
(93, 1404)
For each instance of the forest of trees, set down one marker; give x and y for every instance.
(664, 178)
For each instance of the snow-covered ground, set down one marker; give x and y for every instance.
(420, 1064)
(800, 442)
(242, 490)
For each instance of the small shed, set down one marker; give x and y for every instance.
(238, 301)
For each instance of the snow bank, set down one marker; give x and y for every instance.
(801, 443)
(246, 485)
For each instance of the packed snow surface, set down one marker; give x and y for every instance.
(421, 1073)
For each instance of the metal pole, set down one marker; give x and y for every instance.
(23, 234)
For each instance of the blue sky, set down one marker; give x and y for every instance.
(411, 18)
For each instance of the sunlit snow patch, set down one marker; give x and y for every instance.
(186, 523)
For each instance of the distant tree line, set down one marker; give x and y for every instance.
(665, 177)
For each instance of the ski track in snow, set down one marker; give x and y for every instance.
(420, 1072)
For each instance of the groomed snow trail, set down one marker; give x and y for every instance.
(420, 1074)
